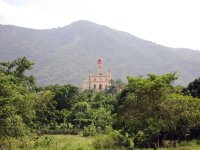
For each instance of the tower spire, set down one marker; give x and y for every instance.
(100, 66)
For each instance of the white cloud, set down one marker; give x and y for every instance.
(170, 22)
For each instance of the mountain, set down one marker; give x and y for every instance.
(63, 55)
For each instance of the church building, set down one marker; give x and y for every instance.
(99, 81)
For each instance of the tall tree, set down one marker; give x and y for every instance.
(17, 68)
(139, 105)
(193, 88)
(17, 99)
(16, 107)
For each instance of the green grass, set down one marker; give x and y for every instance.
(78, 142)
(185, 145)
(59, 142)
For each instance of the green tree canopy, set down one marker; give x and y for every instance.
(193, 88)
(139, 105)
(17, 68)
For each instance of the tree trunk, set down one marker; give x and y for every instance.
(158, 143)
(155, 148)
(148, 145)
(176, 143)
(9, 147)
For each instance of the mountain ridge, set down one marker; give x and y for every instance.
(63, 55)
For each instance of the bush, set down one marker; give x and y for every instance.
(24, 142)
(108, 129)
(198, 142)
(125, 141)
(104, 142)
(109, 141)
(44, 142)
(89, 131)
(74, 131)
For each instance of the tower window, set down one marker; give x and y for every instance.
(94, 86)
(100, 86)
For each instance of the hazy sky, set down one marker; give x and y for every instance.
(174, 23)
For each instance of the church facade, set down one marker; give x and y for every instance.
(99, 81)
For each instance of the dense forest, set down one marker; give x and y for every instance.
(146, 112)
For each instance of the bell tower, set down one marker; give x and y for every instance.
(100, 67)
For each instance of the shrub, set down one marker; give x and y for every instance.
(104, 142)
(75, 131)
(198, 142)
(89, 131)
(44, 142)
(125, 141)
(109, 141)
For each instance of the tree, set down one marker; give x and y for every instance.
(65, 96)
(92, 109)
(181, 115)
(17, 68)
(116, 86)
(17, 99)
(79, 114)
(45, 110)
(193, 88)
(139, 106)
(16, 107)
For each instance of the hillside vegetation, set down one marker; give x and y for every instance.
(63, 55)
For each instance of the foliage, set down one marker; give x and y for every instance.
(46, 113)
(193, 88)
(116, 86)
(89, 131)
(64, 95)
(113, 140)
(181, 115)
(144, 113)
(150, 112)
(140, 109)
(17, 100)
(108, 141)
(17, 69)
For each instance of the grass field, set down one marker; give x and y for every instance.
(56, 142)
(77, 142)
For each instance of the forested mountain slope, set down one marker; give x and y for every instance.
(63, 55)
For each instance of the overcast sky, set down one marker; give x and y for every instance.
(174, 23)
